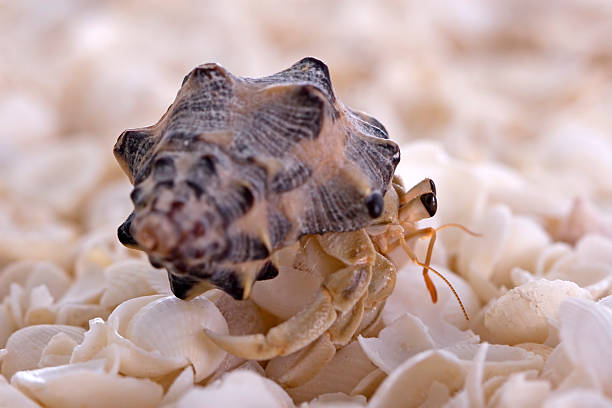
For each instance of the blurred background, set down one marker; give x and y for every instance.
(526, 85)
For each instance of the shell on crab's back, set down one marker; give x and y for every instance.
(308, 164)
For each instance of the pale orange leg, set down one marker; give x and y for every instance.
(423, 233)
(431, 232)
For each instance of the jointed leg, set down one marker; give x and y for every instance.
(431, 233)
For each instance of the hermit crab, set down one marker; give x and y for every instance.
(239, 169)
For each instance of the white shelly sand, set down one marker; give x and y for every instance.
(506, 105)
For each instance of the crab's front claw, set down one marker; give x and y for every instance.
(286, 338)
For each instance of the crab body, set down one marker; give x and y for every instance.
(238, 168)
(240, 171)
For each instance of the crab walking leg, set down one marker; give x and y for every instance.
(424, 233)
(346, 324)
(428, 282)
(301, 366)
(339, 292)
(382, 282)
(289, 336)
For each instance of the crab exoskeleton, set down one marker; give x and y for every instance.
(239, 168)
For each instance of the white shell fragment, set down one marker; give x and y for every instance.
(240, 388)
(519, 391)
(86, 385)
(12, 397)
(151, 336)
(399, 341)
(522, 314)
(580, 318)
(77, 169)
(26, 346)
(125, 280)
(409, 384)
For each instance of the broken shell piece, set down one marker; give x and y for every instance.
(475, 376)
(94, 341)
(405, 387)
(586, 335)
(370, 383)
(40, 308)
(12, 397)
(25, 346)
(128, 279)
(519, 391)
(336, 400)
(595, 249)
(174, 328)
(540, 349)
(99, 250)
(519, 276)
(181, 384)
(558, 367)
(107, 208)
(499, 359)
(79, 314)
(577, 398)
(28, 234)
(154, 335)
(550, 257)
(57, 351)
(479, 256)
(584, 218)
(525, 241)
(589, 265)
(236, 389)
(86, 384)
(7, 325)
(30, 274)
(60, 175)
(521, 315)
(402, 339)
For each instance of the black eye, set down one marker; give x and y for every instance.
(430, 203)
(375, 204)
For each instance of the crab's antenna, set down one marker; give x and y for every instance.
(461, 227)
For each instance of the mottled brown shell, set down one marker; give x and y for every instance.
(239, 167)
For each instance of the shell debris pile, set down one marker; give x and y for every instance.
(505, 105)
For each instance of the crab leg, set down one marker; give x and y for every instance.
(289, 336)
(298, 368)
(339, 293)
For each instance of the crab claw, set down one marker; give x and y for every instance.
(286, 338)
